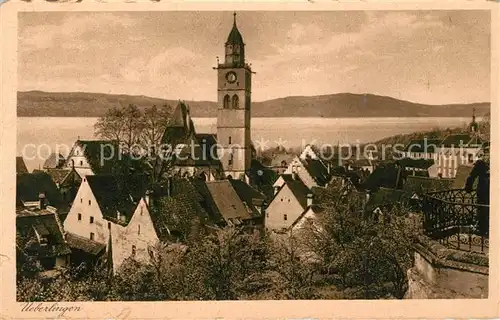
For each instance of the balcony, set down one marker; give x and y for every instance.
(452, 218)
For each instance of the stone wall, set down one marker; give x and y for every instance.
(443, 273)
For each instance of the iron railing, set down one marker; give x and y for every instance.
(453, 217)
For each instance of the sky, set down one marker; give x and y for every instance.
(433, 57)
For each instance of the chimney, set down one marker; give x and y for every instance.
(294, 175)
(310, 198)
(329, 168)
(41, 198)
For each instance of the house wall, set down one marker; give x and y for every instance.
(448, 164)
(283, 203)
(123, 238)
(77, 157)
(296, 166)
(308, 152)
(84, 227)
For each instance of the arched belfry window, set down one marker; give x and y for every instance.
(236, 102)
(226, 101)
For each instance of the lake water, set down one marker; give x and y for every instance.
(45, 133)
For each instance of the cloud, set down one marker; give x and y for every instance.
(68, 32)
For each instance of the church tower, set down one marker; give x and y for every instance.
(233, 101)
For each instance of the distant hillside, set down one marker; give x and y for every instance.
(80, 104)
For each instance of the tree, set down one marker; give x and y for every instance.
(139, 136)
(364, 256)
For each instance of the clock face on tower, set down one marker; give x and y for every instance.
(231, 77)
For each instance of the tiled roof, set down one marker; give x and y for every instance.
(58, 175)
(298, 188)
(100, 154)
(457, 140)
(460, 179)
(317, 170)
(181, 128)
(384, 197)
(185, 199)
(416, 163)
(54, 161)
(30, 185)
(112, 196)
(86, 245)
(385, 176)
(20, 165)
(82, 172)
(248, 195)
(423, 145)
(227, 201)
(46, 226)
(421, 185)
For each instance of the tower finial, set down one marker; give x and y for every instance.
(234, 17)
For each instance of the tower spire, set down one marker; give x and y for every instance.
(234, 18)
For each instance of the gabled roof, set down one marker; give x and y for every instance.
(317, 170)
(30, 185)
(421, 185)
(112, 195)
(100, 154)
(86, 245)
(460, 179)
(423, 145)
(54, 161)
(298, 188)
(248, 195)
(458, 140)
(58, 175)
(384, 197)
(385, 176)
(228, 202)
(416, 163)
(46, 226)
(181, 128)
(20, 165)
(185, 198)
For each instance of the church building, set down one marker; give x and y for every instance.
(228, 154)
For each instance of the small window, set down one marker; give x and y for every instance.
(91, 219)
(79, 217)
(109, 225)
(133, 250)
(90, 202)
(285, 217)
(81, 200)
(229, 139)
(91, 236)
(81, 163)
(139, 229)
(142, 210)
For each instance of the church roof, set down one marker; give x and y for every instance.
(235, 35)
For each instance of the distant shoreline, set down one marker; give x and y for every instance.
(338, 105)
